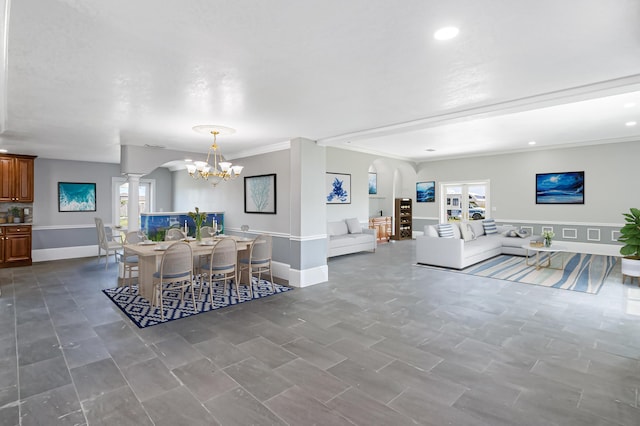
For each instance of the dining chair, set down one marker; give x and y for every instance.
(259, 259)
(222, 266)
(207, 231)
(104, 243)
(174, 234)
(130, 261)
(175, 274)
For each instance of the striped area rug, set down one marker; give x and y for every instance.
(582, 272)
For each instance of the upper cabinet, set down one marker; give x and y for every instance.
(16, 178)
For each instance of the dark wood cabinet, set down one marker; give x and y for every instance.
(15, 246)
(16, 178)
(403, 229)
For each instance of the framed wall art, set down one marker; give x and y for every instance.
(373, 183)
(560, 188)
(338, 188)
(426, 192)
(260, 194)
(76, 197)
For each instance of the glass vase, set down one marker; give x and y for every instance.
(547, 242)
(198, 234)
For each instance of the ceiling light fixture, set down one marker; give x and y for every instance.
(630, 123)
(221, 170)
(446, 33)
(532, 142)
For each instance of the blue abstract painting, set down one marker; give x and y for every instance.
(76, 197)
(426, 192)
(560, 188)
(338, 188)
(373, 183)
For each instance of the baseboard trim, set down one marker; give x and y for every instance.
(308, 277)
(61, 253)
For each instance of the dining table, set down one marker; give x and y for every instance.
(150, 253)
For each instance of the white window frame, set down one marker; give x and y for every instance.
(115, 196)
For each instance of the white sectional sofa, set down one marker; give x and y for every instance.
(468, 244)
(348, 236)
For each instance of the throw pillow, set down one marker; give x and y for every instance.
(467, 232)
(522, 233)
(431, 231)
(445, 230)
(478, 227)
(337, 228)
(354, 226)
(489, 226)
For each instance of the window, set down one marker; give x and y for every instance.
(146, 199)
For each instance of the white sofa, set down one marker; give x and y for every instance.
(469, 245)
(348, 236)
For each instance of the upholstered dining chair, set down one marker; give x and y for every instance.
(175, 274)
(259, 260)
(174, 234)
(104, 243)
(222, 266)
(130, 261)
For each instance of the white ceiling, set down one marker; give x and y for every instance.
(83, 77)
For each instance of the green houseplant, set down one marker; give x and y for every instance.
(15, 212)
(630, 236)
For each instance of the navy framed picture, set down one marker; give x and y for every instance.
(426, 192)
(560, 188)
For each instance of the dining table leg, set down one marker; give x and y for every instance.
(147, 265)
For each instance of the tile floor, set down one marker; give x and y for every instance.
(382, 343)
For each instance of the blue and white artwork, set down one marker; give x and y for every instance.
(338, 188)
(426, 192)
(260, 194)
(76, 197)
(560, 188)
(373, 183)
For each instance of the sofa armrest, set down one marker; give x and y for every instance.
(370, 231)
(447, 252)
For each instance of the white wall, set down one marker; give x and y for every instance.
(228, 197)
(610, 182)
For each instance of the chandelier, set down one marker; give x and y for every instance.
(215, 168)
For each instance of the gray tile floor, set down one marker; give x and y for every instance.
(382, 343)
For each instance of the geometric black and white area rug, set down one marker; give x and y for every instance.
(140, 311)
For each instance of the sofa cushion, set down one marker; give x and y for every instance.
(353, 225)
(477, 227)
(337, 228)
(489, 226)
(481, 245)
(347, 240)
(445, 230)
(467, 232)
(431, 231)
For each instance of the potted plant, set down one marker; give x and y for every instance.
(15, 212)
(630, 236)
(199, 219)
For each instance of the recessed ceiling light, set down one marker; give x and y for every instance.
(446, 33)
(4, 150)
(630, 123)
(532, 142)
(430, 150)
(629, 104)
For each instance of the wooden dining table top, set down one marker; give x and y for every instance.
(156, 248)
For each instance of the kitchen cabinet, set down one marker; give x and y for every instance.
(16, 178)
(15, 246)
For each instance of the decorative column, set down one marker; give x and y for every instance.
(308, 228)
(133, 204)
